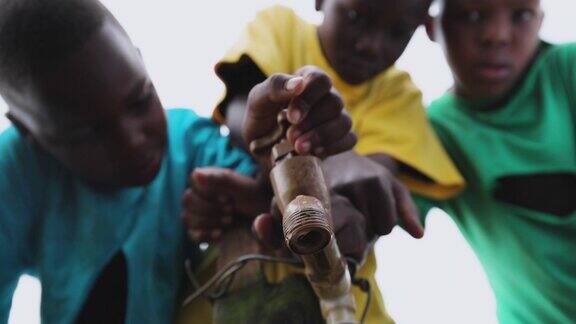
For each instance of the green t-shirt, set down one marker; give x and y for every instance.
(58, 228)
(518, 211)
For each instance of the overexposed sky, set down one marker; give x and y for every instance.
(433, 280)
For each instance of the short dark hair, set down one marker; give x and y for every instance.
(37, 35)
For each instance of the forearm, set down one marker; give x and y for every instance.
(239, 79)
(10, 271)
(6, 292)
(396, 167)
(386, 161)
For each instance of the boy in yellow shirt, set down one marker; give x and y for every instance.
(356, 45)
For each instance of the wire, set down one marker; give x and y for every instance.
(190, 274)
(364, 285)
(222, 280)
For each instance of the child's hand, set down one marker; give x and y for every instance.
(319, 123)
(367, 202)
(215, 197)
(375, 191)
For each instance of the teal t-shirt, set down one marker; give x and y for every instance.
(61, 230)
(518, 212)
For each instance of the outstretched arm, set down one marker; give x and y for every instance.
(11, 265)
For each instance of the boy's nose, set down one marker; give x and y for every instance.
(369, 44)
(131, 137)
(497, 31)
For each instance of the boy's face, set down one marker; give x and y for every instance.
(489, 43)
(98, 113)
(362, 38)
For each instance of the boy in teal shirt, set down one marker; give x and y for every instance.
(509, 125)
(92, 173)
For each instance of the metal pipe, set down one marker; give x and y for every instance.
(304, 201)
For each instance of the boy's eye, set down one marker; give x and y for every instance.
(145, 98)
(473, 16)
(523, 15)
(143, 102)
(77, 137)
(352, 15)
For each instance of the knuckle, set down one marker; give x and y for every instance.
(314, 74)
(361, 222)
(358, 231)
(331, 109)
(307, 69)
(353, 139)
(253, 94)
(227, 173)
(346, 122)
(321, 79)
(336, 101)
(186, 197)
(381, 176)
(318, 137)
(379, 181)
(276, 83)
(219, 177)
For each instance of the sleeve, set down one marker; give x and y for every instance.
(566, 55)
(11, 268)
(266, 42)
(208, 147)
(396, 125)
(14, 215)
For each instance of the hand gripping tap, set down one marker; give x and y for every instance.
(304, 201)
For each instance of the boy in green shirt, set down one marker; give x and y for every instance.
(509, 125)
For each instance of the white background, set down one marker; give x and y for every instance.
(433, 280)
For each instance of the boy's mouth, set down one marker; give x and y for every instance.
(493, 71)
(358, 69)
(147, 169)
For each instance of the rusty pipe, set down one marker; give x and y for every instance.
(304, 201)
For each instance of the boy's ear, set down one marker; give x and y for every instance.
(319, 4)
(22, 129)
(430, 25)
(542, 16)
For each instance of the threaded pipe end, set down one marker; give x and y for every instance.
(306, 227)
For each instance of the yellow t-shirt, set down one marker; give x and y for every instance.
(387, 113)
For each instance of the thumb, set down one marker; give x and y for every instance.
(268, 231)
(409, 217)
(265, 102)
(217, 181)
(274, 94)
(243, 194)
